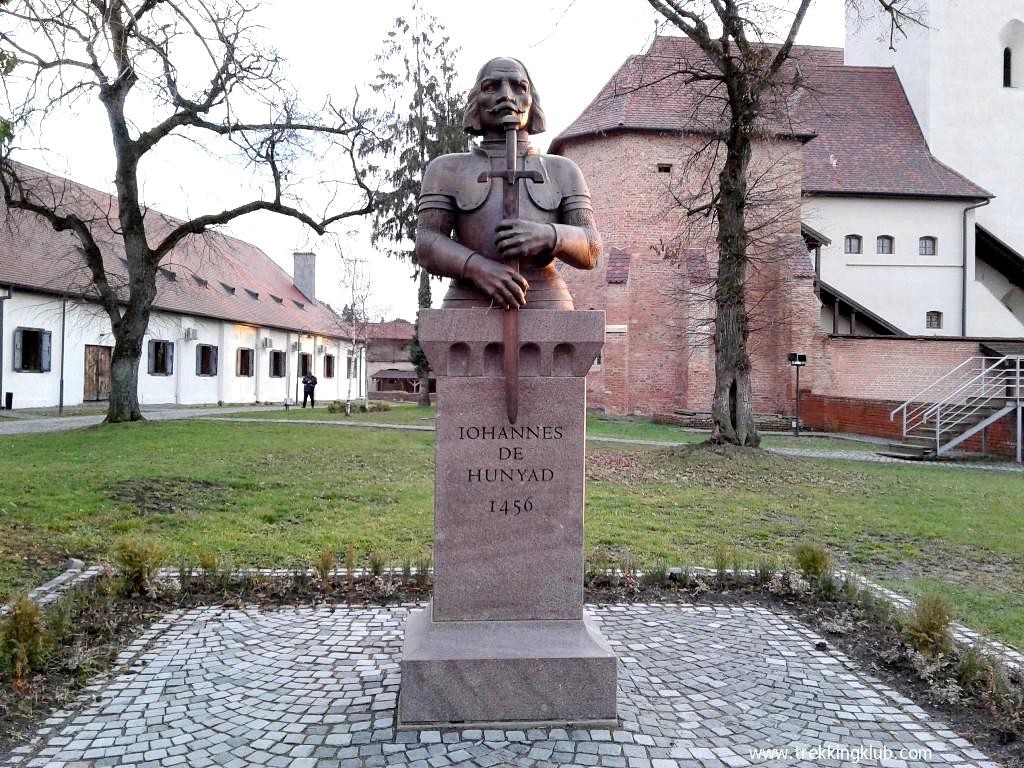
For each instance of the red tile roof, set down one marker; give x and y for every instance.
(398, 330)
(211, 275)
(867, 140)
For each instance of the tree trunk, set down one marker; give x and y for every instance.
(732, 409)
(416, 354)
(129, 327)
(424, 398)
(124, 383)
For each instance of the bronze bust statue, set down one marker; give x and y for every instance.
(462, 229)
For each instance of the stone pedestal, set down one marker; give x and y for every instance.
(505, 639)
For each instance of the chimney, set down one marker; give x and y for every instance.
(305, 273)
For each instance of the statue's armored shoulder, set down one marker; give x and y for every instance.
(563, 187)
(566, 175)
(456, 177)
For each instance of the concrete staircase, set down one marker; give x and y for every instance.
(958, 406)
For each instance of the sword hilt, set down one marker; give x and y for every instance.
(511, 177)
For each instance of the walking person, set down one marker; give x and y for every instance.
(308, 386)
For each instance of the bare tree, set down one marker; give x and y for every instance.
(743, 74)
(162, 69)
(355, 316)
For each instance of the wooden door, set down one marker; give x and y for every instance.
(97, 372)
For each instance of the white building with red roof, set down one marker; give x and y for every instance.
(229, 325)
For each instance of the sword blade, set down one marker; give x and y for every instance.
(510, 319)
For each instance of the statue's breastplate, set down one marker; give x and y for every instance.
(479, 213)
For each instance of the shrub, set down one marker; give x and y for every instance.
(656, 575)
(973, 668)
(208, 563)
(350, 564)
(324, 565)
(765, 570)
(927, 626)
(423, 563)
(380, 406)
(827, 586)
(378, 561)
(23, 640)
(812, 559)
(721, 557)
(185, 578)
(137, 562)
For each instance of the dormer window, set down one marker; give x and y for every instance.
(853, 244)
(884, 245)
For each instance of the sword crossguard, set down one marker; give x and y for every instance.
(511, 177)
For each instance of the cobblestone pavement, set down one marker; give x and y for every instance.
(315, 688)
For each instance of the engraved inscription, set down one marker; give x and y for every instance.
(514, 465)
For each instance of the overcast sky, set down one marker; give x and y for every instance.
(572, 47)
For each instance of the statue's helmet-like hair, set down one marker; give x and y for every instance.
(535, 121)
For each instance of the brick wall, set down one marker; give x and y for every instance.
(888, 368)
(665, 360)
(871, 417)
(862, 380)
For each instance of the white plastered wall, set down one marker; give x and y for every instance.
(903, 286)
(86, 324)
(952, 71)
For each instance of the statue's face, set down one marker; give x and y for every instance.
(504, 91)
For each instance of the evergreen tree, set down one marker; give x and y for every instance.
(423, 120)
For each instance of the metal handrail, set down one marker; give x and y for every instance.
(960, 406)
(914, 409)
(935, 383)
(963, 388)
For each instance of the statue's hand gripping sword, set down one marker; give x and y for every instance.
(510, 210)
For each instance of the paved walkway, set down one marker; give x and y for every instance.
(699, 687)
(28, 423)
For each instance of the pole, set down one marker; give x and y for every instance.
(4, 296)
(63, 339)
(1020, 416)
(796, 426)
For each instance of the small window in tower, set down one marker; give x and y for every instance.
(928, 246)
(853, 244)
(664, 167)
(884, 244)
(1007, 68)
(933, 319)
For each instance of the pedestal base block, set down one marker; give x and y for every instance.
(505, 672)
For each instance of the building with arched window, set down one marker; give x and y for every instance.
(884, 261)
(965, 82)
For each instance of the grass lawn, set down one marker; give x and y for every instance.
(597, 426)
(273, 494)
